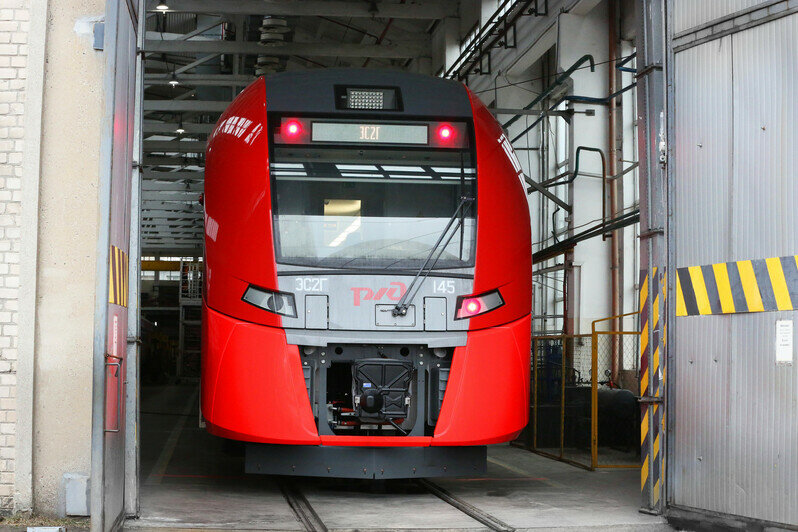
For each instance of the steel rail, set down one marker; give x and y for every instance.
(470, 510)
(302, 509)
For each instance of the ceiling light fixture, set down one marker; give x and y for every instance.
(174, 82)
(162, 6)
(180, 130)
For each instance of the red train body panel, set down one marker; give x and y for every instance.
(262, 372)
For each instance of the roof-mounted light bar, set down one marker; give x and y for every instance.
(368, 98)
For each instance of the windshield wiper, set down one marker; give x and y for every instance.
(400, 309)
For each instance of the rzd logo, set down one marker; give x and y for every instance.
(394, 292)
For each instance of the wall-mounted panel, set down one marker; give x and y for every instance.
(733, 410)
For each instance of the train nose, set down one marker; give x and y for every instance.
(371, 401)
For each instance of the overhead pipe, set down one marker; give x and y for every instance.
(615, 252)
(564, 246)
(620, 64)
(382, 35)
(578, 99)
(349, 26)
(572, 98)
(600, 101)
(548, 90)
(537, 121)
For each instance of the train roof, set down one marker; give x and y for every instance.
(314, 91)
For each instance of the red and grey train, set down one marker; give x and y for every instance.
(368, 289)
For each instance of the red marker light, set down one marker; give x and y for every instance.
(472, 306)
(445, 132)
(293, 128)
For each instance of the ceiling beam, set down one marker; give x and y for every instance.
(200, 106)
(163, 249)
(171, 160)
(172, 243)
(163, 213)
(152, 186)
(159, 205)
(184, 239)
(173, 250)
(412, 9)
(170, 176)
(155, 60)
(169, 233)
(169, 225)
(187, 227)
(170, 196)
(307, 49)
(182, 146)
(165, 229)
(167, 36)
(193, 33)
(204, 80)
(167, 217)
(155, 126)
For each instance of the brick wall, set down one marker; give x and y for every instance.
(14, 27)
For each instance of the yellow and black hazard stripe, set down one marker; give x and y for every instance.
(117, 277)
(652, 383)
(758, 285)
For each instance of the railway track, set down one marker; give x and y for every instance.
(301, 507)
(311, 521)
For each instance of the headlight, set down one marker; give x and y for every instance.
(281, 303)
(470, 306)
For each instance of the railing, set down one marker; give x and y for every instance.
(497, 31)
(582, 411)
(191, 280)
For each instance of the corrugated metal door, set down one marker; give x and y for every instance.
(111, 307)
(733, 240)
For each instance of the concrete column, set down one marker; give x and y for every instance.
(451, 40)
(68, 225)
(582, 34)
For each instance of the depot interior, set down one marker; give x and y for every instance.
(562, 77)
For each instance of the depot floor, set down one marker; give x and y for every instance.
(191, 480)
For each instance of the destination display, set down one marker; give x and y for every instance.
(369, 133)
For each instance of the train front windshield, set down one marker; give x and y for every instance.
(372, 207)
